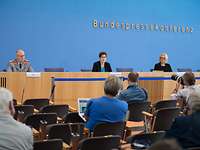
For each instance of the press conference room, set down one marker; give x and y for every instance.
(99, 75)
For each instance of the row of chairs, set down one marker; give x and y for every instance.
(74, 125)
(96, 143)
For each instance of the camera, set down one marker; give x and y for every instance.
(177, 78)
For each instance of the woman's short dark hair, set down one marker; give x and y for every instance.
(112, 85)
(102, 53)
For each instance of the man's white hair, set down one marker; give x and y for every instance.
(20, 51)
(5, 98)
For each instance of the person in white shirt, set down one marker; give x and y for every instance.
(182, 92)
(13, 134)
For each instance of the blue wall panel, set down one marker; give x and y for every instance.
(59, 33)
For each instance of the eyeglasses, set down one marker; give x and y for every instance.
(162, 58)
(20, 55)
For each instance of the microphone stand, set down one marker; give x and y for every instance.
(53, 86)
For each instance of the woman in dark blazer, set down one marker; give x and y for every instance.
(162, 65)
(102, 65)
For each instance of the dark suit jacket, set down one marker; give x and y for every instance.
(97, 67)
(186, 130)
(166, 68)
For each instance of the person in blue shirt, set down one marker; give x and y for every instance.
(133, 91)
(106, 108)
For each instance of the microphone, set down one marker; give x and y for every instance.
(23, 90)
(53, 86)
(20, 65)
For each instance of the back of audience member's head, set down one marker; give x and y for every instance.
(112, 86)
(194, 101)
(189, 78)
(6, 101)
(133, 77)
(167, 144)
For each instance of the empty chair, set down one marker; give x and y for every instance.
(184, 70)
(86, 70)
(22, 111)
(37, 103)
(73, 118)
(60, 110)
(104, 129)
(36, 120)
(162, 119)
(52, 144)
(124, 69)
(164, 104)
(66, 131)
(100, 143)
(59, 69)
(136, 108)
(145, 140)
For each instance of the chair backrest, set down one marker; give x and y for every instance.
(14, 102)
(184, 70)
(145, 139)
(100, 143)
(73, 118)
(60, 110)
(52, 144)
(103, 129)
(54, 69)
(23, 111)
(35, 120)
(165, 104)
(164, 118)
(124, 69)
(37, 103)
(135, 110)
(193, 148)
(86, 70)
(66, 131)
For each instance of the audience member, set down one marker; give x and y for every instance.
(133, 91)
(186, 129)
(182, 92)
(13, 134)
(106, 108)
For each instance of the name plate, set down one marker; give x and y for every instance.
(33, 74)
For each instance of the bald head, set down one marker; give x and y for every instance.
(6, 101)
(20, 55)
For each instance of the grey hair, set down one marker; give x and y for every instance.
(194, 100)
(165, 55)
(19, 50)
(5, 98)
(112, 85)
